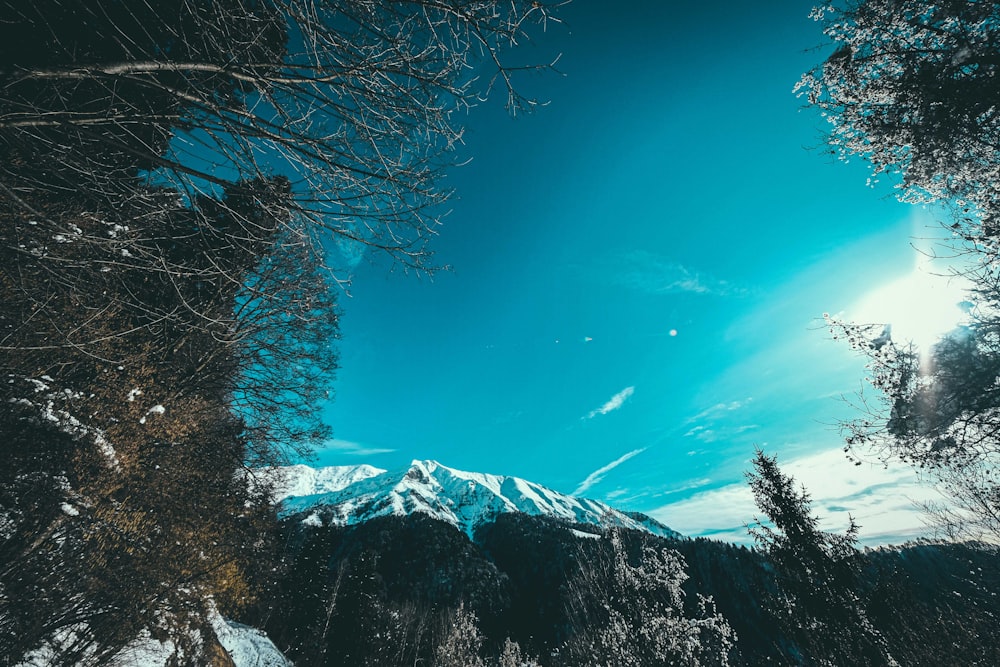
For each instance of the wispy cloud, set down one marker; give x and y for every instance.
(613, 403)
(598, 475)
(349, 448)
(645, 272)
(703, 433)
(882, 500)
(719, 410)
(719, 432)
(687, 486)
(716, 422)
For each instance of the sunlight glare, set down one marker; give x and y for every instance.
(921, 306)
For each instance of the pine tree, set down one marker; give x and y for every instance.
(818, 603)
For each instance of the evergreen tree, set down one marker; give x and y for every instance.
(818, 575)
(511, 656)
(462, 642)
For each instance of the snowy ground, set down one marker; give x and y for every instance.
(248, 647)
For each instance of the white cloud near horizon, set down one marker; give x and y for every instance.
(882, 501)
(613, 403)
(598, 475)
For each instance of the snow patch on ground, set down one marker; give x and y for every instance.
(155, 410)
(50, 408)
(580, 533)
(248, 647)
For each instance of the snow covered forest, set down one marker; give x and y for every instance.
(177, 181)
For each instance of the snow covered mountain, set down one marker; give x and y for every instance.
(345, 495)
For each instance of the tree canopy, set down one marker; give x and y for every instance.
(176, 178)
(912, 87)
(817, 573)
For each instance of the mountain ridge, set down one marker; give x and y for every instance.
(346, 495)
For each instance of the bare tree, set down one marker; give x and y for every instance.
(937, 410)
(913, 87)
(628, 609)
(236, 143)
(175, 177)
(354, 101)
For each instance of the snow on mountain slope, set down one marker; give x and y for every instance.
(303, 480)
(346, 495)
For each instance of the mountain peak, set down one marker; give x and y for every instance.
(345, 495)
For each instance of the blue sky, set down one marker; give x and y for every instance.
(639, 275)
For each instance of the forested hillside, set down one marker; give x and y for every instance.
(387, 592)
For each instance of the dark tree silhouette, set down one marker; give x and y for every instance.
(817, 574)
(175, 177)
(913, 87)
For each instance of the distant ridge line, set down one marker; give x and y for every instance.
(347, 495)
